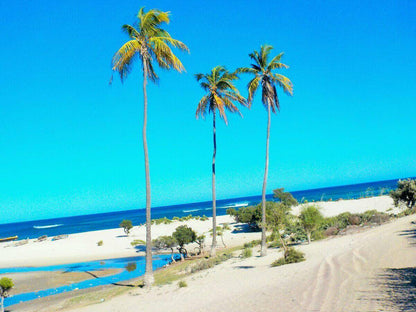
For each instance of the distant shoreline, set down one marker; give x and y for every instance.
(109, 220)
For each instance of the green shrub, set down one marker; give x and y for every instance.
(6, 284)
(252, 243)
(100, 243)
(291, 256)
(247, 253)
(296, 231)
(182, 284)
(318, 235)
(405, 193)
(127, 226)
(311, 218)
(138, 242)
(204, 218)
(367, 215)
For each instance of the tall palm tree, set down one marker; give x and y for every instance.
(221, 95)
(149, 42)
(262, 69)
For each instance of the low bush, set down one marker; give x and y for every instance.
(291, 256)
(331, 231)
(182, 284)
(203, 218)
(247, 253)
(100, 243)
(318, 235)
(137, 242)
(252, 243)
(354, 219)
(379, 218)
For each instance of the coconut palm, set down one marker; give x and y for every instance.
(264, 75)
(148, 42)
(221, 96)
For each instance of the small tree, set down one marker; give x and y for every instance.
(200, 240)
(5, 285)
(277, 217)
(165, 242)
(310, 218)
(127, 226)
(405, 193)
(286, 198)
(184, 235)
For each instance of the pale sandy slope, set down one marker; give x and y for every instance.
(340, 274)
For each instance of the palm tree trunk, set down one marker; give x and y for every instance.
(214, 204)
(2, 303)
(263, 195)
(148, 276)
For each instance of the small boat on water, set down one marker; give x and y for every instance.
(8, 239)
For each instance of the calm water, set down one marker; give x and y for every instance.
(102, 221)
(136, 267)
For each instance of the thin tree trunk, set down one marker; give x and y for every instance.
(148, 276)
(222, 239)
(308, 234)
(214, 204)
(263, 195)
(2, 303)
(171, 255)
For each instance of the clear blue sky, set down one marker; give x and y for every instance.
(71, 144)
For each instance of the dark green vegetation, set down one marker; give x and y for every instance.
(5, 285)
(183, 235)
(127, 226)
(165, 242)
(291, 256)
(405, 193)
(310, 225)
(310, 217)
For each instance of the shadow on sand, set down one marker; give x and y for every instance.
(115, 284)
(399, 285)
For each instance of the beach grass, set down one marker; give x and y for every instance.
(185, 268)
(94, 297)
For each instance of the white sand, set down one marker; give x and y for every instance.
(83, 246)
(340, 274)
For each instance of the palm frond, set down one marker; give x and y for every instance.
(202, 107)
(252, 88)
(123, 59)
(175, 43)
(151, 43)
(284, 83)
(247, 70)
(264, 54)
(130, 31)
(164, 55)
(262, 71)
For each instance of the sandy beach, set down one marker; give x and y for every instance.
(83, 246)
(342, 273)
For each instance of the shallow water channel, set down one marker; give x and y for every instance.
(131, 268)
